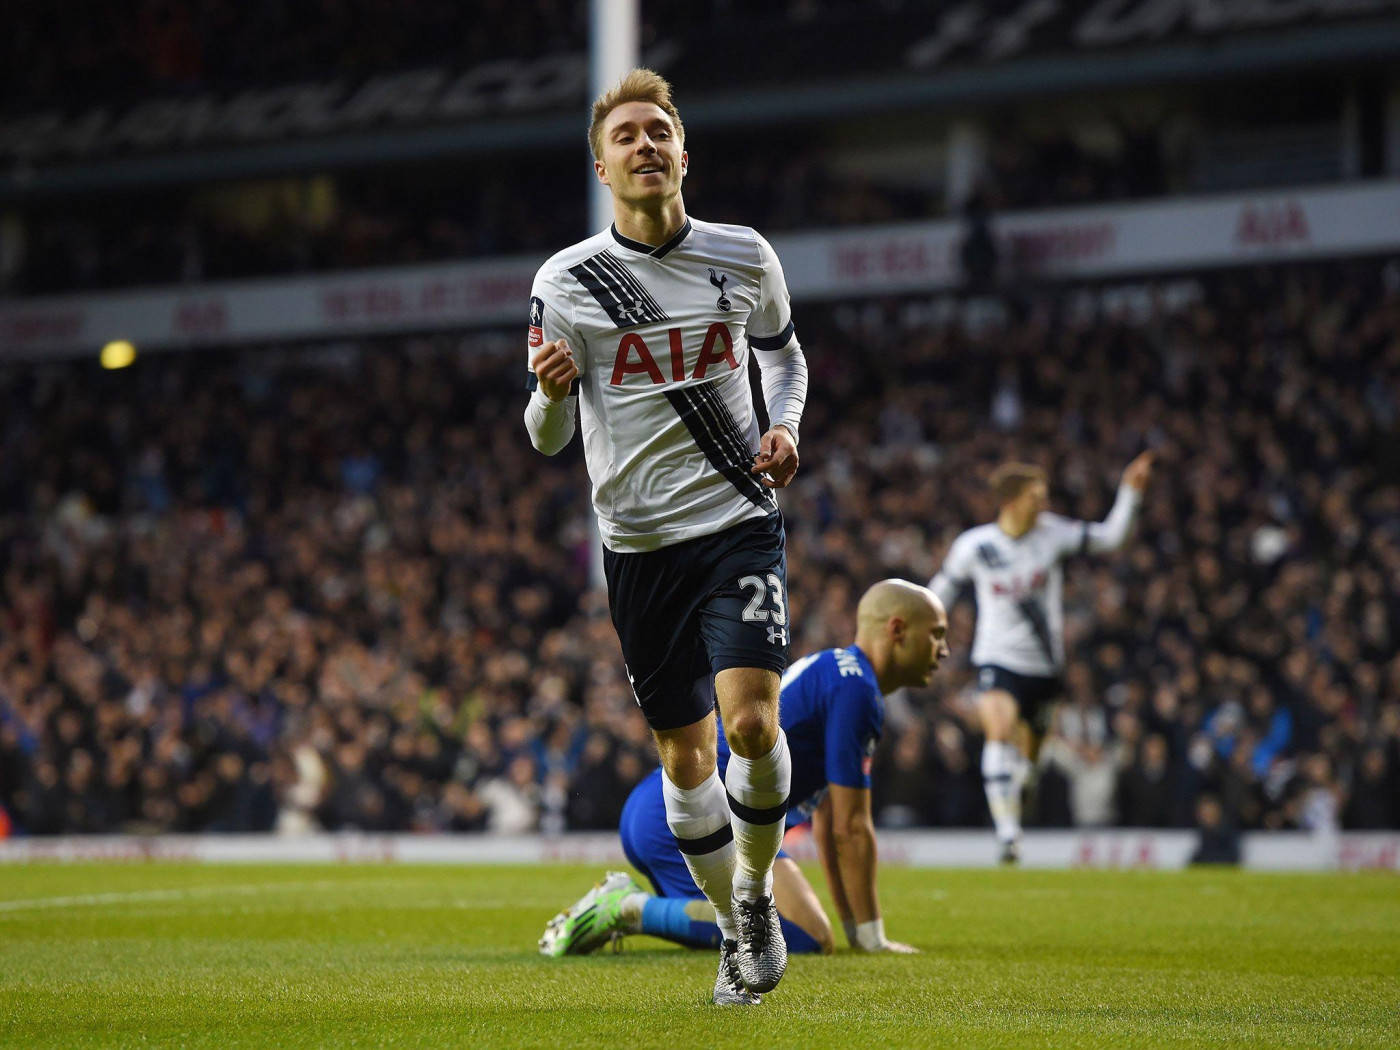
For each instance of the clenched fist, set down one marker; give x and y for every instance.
(555, 368)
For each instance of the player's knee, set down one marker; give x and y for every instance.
(998, 710)
(751, 732)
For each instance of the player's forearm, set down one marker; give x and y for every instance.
(550, 423)
(784, 377)
(1113, 531)
(826, 855)
(856, 859)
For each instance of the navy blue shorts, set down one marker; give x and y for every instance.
(1033, 693)
(686, 612)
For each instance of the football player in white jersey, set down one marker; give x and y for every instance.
(645, 331)
(1014, 567)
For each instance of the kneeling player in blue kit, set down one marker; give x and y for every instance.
(832, 711)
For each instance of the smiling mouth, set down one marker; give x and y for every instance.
(651, 170)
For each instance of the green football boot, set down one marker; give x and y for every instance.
(593, 921)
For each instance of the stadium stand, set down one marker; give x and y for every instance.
(334, 588)
(329, 222)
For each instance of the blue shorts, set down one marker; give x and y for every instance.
(649, 844)
(685, 612)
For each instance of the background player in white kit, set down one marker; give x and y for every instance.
(653, 319)
(1018, 649)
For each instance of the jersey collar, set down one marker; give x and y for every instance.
(657, 251)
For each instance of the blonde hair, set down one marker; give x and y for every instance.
(1011, 479)
(640, 85)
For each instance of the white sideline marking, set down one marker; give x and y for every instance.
(183, 893)
(191, 892)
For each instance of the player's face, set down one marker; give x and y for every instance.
(1033, 499)
(642, 155)
(927, 646)
(1040, 496)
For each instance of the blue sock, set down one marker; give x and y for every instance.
(668, 917)
(799, 941)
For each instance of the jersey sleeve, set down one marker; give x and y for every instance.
(1113, 532)
(551, 318)
(954, 575)
(1070, 535)
(853, 727)
(1097, 537)
(770, 325)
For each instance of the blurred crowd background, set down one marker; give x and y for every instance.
(330, 585)
(338, 589)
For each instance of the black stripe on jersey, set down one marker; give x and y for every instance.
(773, 342)
(1084, 539)
(991, 557)
(1034, 613)
(732, 435)
(625, 309)
(717, 447)
(617, 269)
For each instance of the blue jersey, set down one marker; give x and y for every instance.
(832, 712)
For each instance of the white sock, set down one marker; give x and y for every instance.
(631, 908)
(699, 819)
(1003, 773)
(758, 797)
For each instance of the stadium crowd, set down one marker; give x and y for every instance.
(335, 587)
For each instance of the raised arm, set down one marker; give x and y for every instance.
(1111, 533)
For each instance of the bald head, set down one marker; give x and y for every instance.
(895, 598)
(903, 629)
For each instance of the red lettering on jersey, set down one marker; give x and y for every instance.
(646, 364)
(718, 333)
(719, 346)
(1017, 587)
(677, 355)
(536, 336)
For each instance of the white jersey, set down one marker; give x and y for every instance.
(661, 338)
(1019, 584)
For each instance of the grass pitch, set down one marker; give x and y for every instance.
(366, 955)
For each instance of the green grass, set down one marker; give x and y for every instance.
(365, 955)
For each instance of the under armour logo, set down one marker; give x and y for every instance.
(777, 636)
(723, 301)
